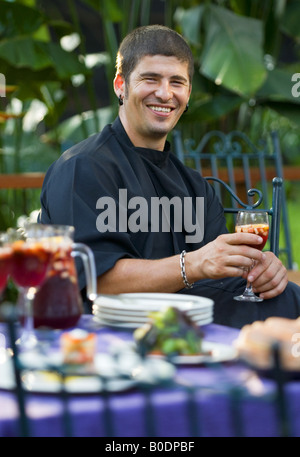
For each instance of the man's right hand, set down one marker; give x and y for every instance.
(228, 255)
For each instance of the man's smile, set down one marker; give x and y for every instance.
(160, 109)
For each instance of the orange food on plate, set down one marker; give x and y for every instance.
(78, 347)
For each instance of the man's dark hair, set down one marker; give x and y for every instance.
(151, 40)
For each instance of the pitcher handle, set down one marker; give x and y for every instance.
(87, 256)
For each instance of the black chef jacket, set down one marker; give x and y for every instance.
(102, 165)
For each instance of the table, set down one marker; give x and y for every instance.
(229, 399)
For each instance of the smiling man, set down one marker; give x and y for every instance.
(139, 208)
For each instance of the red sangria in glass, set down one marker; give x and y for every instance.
(5, 261)
(30, 261)
(256, 222)
(258, 229)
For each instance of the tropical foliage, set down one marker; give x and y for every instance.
(246, 54)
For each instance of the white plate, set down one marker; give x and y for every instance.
(143, 319)
(219, 353)
(203, 321)
(148, 302)
(101, 310)
(132, 310)
(133, 325)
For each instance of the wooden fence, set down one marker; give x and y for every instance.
(35, 180)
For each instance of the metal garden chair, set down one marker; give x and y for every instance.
(235, 164)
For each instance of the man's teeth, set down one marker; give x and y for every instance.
(160, 108)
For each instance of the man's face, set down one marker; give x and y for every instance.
(155, 98)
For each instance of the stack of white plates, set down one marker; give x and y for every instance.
(132, 310)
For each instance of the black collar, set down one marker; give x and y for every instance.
(159, 158)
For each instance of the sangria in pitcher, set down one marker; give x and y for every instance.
(58, 302)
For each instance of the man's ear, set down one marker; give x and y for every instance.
(119, 86)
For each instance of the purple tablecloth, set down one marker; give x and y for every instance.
(230, 400)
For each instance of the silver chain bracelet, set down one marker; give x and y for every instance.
(183, 273)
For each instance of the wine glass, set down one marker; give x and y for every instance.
(30, 261)
(5, 261)
(256, 222)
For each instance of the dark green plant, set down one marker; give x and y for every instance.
(240, 66)
(36, 69)
(242, 78)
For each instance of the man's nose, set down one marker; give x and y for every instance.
(164, 91)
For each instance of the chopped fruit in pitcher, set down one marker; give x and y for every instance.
(51, 307)
(30, 263)
(5, 266)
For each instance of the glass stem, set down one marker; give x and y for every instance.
(248, 291)
(28, 316)
(28, 338)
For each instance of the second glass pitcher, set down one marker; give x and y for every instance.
(58, 302)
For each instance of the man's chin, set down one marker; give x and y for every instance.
(162, 129)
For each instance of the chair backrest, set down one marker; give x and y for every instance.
(235, 160)
(274, 211)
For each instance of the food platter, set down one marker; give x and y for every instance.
(106, 375)
(212, 353)
(133, 310)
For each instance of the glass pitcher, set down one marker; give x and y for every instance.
(58, 302)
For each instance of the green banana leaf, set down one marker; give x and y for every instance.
(78, 127)
(230, 46)
(278, 87)
(290, 22)
(191, 23)
(23, 51)
(211, 108)
(18, 19)
(233, 54)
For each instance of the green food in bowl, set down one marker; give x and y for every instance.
(171, 332)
